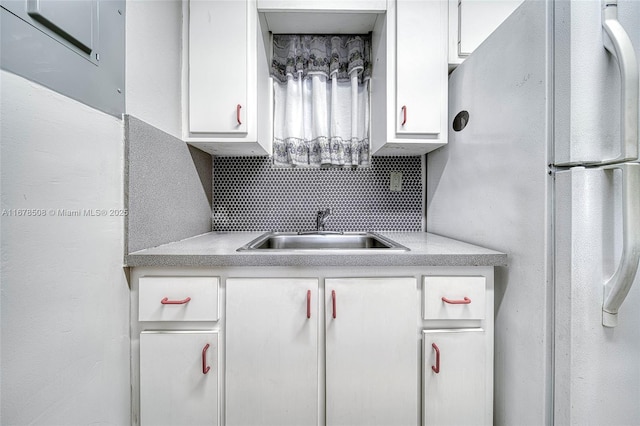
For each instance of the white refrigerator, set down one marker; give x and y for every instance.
(543, 165)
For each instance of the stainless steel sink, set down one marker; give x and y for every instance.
(287, 241)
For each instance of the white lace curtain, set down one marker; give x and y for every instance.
(321, 102)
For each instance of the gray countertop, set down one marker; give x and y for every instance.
(219, 249)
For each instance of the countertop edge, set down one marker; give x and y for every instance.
(138, 260)
(219, 250)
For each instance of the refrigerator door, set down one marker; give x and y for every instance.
(596, 51)
(597, 373)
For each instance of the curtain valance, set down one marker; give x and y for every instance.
(300, 56)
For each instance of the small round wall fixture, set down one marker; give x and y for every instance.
(460, 121)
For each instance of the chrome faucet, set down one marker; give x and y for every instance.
(321, 219)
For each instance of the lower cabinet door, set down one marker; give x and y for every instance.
(371, 351)
(454, 377)
(271, 348)
(179, 378)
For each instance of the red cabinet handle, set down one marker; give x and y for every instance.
(404, 114)
(166, 301)
(464, 301)
(238, 108)
(333, 302)
(205, 367)
(308, 304)
(436, 368)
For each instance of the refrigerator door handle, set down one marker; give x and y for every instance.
(617, 287)
(618, 43)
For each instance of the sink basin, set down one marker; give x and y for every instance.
(286, 241)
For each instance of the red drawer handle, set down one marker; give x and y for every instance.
(436, 368)
(205, 367)
(308, 304)
(333, 302)
(238, 108)
(404, 115)
(166, 301)
(464, 301)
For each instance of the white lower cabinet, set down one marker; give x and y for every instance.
(457, 350)
(316, 348)
(454, 385)
(371, 363)
(271, 351)
(179, 376)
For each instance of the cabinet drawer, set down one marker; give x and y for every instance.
(178, 299)
(453, 298)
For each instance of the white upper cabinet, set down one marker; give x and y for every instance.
(222, 110)
(218, 75)
(409, 88)
(228, 94)
(472, 21)
(418, 68)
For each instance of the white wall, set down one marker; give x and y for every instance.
(153, 63)
(64, 295)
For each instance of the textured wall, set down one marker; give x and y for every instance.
(251, 195)
(168, 187)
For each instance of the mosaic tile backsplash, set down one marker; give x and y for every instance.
(249, 194)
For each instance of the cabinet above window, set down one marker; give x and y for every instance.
(321, 17)
(228, 94)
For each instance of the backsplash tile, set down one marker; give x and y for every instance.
(249, 194)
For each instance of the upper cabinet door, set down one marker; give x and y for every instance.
(409, 88)
(218, 67)
(419, 66)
